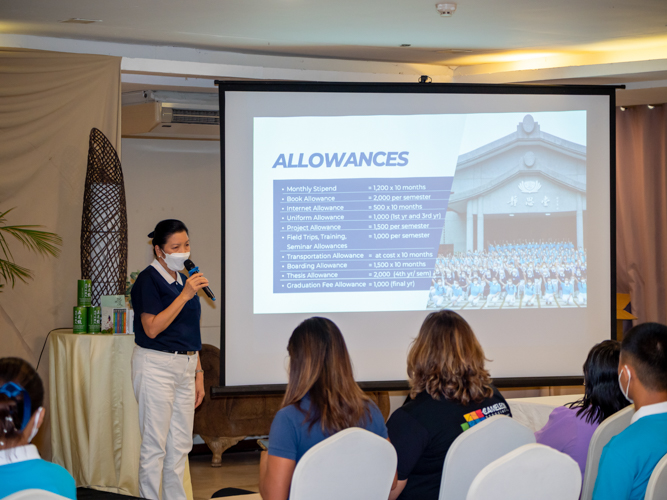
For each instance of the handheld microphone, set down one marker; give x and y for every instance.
(192, 269)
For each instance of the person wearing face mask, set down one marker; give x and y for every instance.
(629, 458)
(166, 371)
(21, 415)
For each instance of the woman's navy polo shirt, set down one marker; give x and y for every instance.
(152, 294)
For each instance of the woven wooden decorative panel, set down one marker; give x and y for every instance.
(104, 221)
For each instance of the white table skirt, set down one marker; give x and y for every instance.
(94, 414)
(534, 412)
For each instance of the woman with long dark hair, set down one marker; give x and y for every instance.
(166, 371)
(321, 399)
(450, 391)
(571, 427)
(21, 415)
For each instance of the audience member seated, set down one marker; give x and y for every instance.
(629, 458)
(571, 427)
(450, 391)
(21, 414)
(321, 399)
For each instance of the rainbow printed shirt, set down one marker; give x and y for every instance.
(475, 417)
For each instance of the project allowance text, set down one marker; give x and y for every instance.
(352, 233)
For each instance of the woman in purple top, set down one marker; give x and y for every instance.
(571, 427)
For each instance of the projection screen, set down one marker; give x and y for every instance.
(376, 204)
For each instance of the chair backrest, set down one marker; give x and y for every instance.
(608, 429)
(657, 485)
(475, 449)
(352, 464)
(34, 494)
(529, 472)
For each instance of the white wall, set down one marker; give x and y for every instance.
(171, 179)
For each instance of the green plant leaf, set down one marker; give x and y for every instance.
(11, 272)
(42, 242)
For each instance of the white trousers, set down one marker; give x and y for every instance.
(164, 385)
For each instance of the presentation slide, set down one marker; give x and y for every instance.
(374, 209)
(359, 213)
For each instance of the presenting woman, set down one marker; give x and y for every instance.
(166, 372)
(450, 391)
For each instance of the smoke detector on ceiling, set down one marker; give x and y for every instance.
(446, 9)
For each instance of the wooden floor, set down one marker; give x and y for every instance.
(239, 470)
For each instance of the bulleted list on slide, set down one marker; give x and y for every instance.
(357, 234)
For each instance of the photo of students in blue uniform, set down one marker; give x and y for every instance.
(529, 294)
(437, 294)
(550, 288)
(555, 270)
(511, 290)
(494, 291)
(582, 294)
(476, 291)
(566, 290)
(457, 293)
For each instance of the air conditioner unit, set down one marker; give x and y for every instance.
(189, 115)
(171, 115)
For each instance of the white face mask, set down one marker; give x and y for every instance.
(175, 261)
(627, 388)
(35, 427)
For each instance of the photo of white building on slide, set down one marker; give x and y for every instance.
(514, 230)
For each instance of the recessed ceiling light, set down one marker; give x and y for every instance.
(78, 20)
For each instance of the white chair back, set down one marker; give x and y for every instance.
(476, 448)
(34, 494)
(530, 472)
(657, 485)
(353, 464)
(607, 430)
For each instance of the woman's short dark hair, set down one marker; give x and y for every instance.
(602, 394)
(164, 229)
(12, 409)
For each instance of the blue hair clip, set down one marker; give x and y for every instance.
(11, 390)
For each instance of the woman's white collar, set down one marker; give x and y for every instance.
(163, 272)
(19, 454)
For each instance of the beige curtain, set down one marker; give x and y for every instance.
(48, 104)
(641, 209)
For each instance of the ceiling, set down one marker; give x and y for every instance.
(480, 31)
